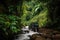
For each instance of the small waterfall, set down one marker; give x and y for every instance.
(26, 35)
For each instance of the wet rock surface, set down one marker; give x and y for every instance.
(25, 36)
(43, 34)
(46, 34)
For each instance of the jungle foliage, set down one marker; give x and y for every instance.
(35, 11)
(13, 13)
(9, 18)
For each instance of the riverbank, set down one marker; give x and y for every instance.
(46, 34)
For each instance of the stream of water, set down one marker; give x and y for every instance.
(25, 36)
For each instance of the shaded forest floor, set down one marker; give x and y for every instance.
(46, 34)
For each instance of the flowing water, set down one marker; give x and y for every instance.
(25, 36)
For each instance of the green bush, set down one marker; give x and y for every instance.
(9, 24)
